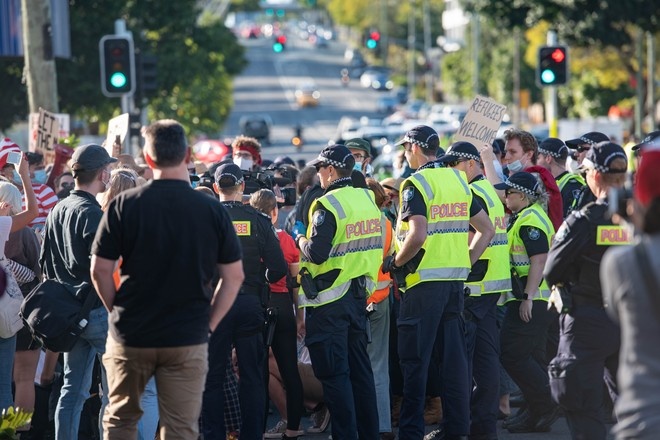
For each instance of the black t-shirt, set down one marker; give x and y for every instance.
(170, 239)
(69, 234)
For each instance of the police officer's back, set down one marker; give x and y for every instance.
(589, 341)
(263, 262)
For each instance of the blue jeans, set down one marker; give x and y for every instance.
(7, 350)
(78, 365)
(148, 424)
(378, 351)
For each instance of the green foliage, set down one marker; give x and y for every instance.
(195, 61)
(13, 419)
(14, 93)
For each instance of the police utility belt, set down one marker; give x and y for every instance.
(564, 301)
(311, 289)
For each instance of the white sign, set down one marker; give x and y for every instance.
(481, 123)
(117, 126)
(46, 128)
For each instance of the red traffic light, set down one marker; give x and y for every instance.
(558, 55)
(375, 35)
(281, 39)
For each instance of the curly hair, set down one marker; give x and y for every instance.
(542, 197)
(526, 139)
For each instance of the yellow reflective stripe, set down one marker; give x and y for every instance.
(447, 227)
(443, 273)
(462, 180)
(327, 296)
(361, 244)
(611, 235)
(485, 195)
(425, 185)
(499, 239)
(335, 204)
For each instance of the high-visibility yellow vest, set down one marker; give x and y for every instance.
(357, 247)
(498, 275)
(448, 197)
(535, 216)
(567, 177)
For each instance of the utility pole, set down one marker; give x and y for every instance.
(639, 102)
(38, 52)
(476, 46)
(650, 83)
(427, 50)
(411, 50)
(516, 77)
(551, 96)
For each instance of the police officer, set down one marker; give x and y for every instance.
(553, 153)
(581, 145)
(263, 262)
(340, 258)
(589, 341)
(489, 277)
(434, 259)
(527, 319)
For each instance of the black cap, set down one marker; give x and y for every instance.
(460, 150)
(521, 181)
(651, 140)
(283, 160)
(554, 147)
(339, 156)
(592, 138)
(600, 157)
(228, 175)
(90, 157)
(423, 136)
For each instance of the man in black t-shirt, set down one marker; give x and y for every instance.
(171, 241)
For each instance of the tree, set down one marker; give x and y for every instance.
(195, 60)
(14, 93)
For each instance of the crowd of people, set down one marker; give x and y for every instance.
(375, 308)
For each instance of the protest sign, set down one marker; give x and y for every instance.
(481, 122)
(117, 126)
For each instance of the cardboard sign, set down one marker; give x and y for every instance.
(480, 125)
(43, 128)
(117, 126)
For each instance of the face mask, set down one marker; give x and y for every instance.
(40, 176)
(244, 164)
(106, 184)
(369, 171)
(358, 166)
(17, 178)
(515, 166)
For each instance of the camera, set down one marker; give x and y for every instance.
(265, 179)
(618, 198)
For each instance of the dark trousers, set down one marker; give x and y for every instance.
(337, 342)
(427, 310)
(243, 326)
(483, 342)
(285, 350)
(524, 353)
(588, 355)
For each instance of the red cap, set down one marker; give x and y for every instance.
(7, 146)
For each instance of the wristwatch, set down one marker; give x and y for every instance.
(298, 237)
(525, 296)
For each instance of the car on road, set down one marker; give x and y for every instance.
(307, 95)
(256, 126)
(377, 78)
(387, 104)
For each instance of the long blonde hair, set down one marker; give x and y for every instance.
(121, 179)
(12, 196)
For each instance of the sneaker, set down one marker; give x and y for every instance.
(320, 420)
(276, 431)
(435, 434)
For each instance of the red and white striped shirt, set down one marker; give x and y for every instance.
(46, 199)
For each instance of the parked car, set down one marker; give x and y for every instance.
(257, 126)
(307, 95)
(377, 78)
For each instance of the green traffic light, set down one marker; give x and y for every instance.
(118, 80)
(371, 44)
(548, 76)
(278, 47)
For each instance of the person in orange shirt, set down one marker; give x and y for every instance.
(378, 306)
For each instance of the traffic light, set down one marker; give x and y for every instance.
(117, 65)
(552, 66)
(146, 74)
(373, 39)
(279, 44)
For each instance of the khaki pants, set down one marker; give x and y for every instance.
(180, 374)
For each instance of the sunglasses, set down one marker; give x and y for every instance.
(582, 149)
(508, 192)
(318, 166)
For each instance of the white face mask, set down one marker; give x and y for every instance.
(498, 169)
(243, 163)
(515, 166)
(358, 166)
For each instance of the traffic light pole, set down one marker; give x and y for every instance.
(127, 100)
(551, 96)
